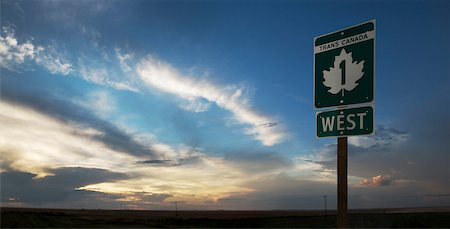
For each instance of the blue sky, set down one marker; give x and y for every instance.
(143, 103)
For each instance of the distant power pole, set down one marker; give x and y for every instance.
(325, 199)
(176, 208)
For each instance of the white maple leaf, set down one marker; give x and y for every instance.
(344, 74)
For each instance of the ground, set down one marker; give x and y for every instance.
(80, 218)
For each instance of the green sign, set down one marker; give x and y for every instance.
(345, 122)
(344, 66)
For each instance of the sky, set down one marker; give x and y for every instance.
(141, 104)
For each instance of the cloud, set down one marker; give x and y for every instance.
(257, 163)
(94, 75)
(162, 76)
(147, 198)
(314, 169)
(99, 102)
(195, 105)
(123, 60)
(240, 180)
(191, 176)
(154, 161)
(51, 60)
(102, 76)
(76, 128)
(384, 137)
(401, 161)
(27, 188)
(378, 154)
(438, 195)
(40, 135)
(33, 142)
(281, 191)
(377, 181)
(13, 53)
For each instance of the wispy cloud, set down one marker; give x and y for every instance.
(102, 76)
(14, 53)
(48, 58)
(162, 76)
(195, 105)
(94, 75)
(124, 60)
(99, 102)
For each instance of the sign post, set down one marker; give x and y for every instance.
(344, 79)
(342, 219)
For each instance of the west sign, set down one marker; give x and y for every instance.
(344, 72)
(345, 122)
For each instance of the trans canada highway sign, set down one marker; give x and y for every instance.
(344, 71)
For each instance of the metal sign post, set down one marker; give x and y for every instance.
(342, 219)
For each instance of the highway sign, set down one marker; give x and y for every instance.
(345, 122)
(344, 71)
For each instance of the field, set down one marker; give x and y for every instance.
(373, 218)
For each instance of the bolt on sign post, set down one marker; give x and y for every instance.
(344, 81)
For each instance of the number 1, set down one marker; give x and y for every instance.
(342, 67)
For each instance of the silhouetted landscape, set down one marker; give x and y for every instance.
(80, 218)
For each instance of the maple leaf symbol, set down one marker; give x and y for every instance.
(343, 76)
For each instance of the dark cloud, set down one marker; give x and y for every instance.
(386, 137)
(152, 198)
(328, 165)
(67, 111)
(61, 187)
(257, 161)
(282, 192)
(411, 162)
(374, 149)
(61, 191)
(270, 124)
(190, 157)
(231, 200)
(438, 195)
(383, 140)
(154, 162)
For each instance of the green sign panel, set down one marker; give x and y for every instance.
(344, 66)
(345, 122)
